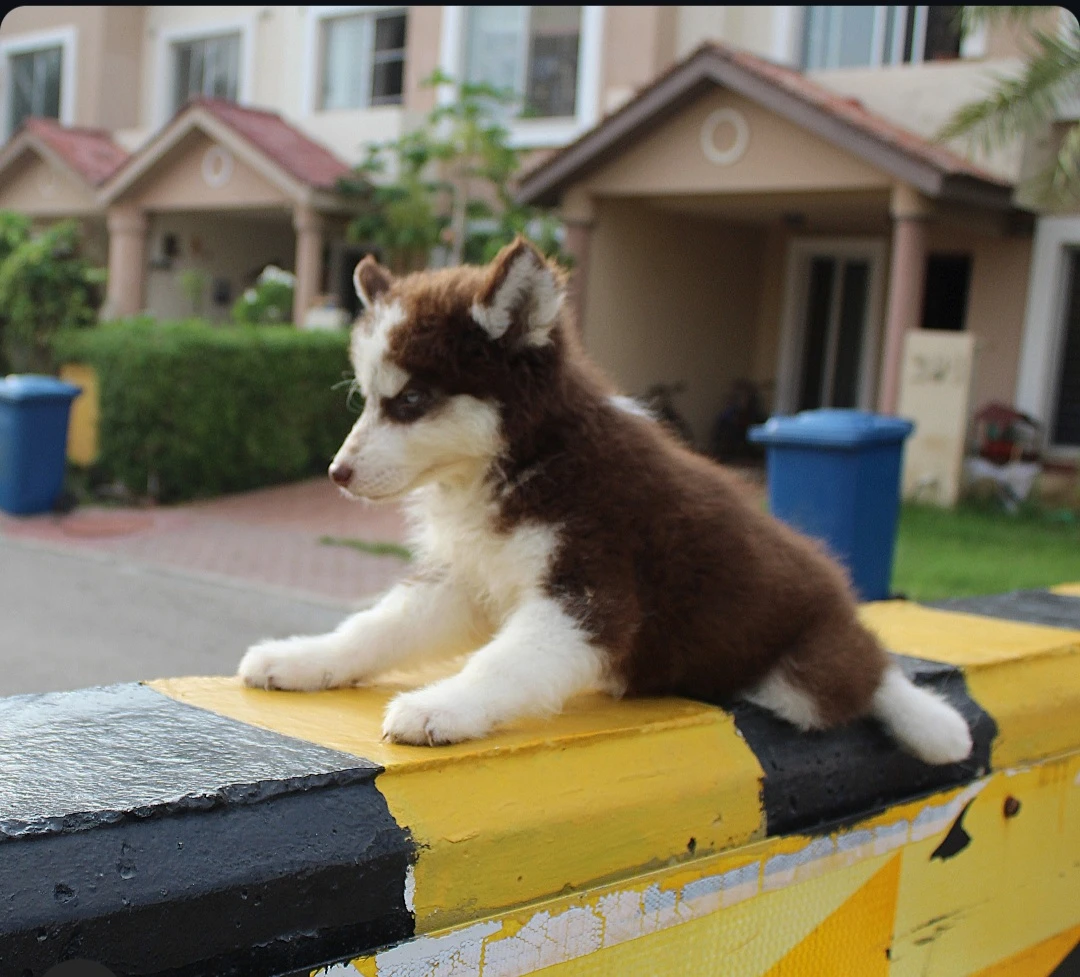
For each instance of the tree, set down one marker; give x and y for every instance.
(452, 183)
(45, 286)
(1020, 105)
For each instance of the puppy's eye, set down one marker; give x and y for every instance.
(411, 404)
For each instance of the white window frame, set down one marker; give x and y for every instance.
(167, 38)
(793, 315)
(973, 46)
(1043, 339)
(314, 20)
(66, 38)
(535, 133)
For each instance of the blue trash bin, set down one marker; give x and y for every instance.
(34, 413)
(835, 475)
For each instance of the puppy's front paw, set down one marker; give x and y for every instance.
(430, 717)
(299, 664)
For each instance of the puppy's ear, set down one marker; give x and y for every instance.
(521, 289)
(370, 279)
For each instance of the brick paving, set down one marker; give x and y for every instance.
(269, 537)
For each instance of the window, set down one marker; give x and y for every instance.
(35, 85)
(363, 60)
(850, 37)
(532, 51)
(206, 66)
(945, 294)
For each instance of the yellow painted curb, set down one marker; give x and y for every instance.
(605, 790)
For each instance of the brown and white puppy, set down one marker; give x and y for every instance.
(567, 540)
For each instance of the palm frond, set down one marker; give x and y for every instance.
(1019, 104)
(974, 17)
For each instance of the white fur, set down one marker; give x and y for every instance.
(632, 406)
(376, 375)
(529, 286)
(537, 655)
(539, 658)
(920, 721)
(413, 621)
(781, 696)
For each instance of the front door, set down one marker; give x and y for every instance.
(835, 330)
(830, 324)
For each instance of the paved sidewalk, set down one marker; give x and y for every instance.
(268, 538)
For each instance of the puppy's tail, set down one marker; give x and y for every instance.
(921, 722)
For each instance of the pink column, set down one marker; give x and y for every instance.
(127, 260)
(309, 247)
(907, 272)
(578, 240)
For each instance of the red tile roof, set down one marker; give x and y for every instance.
(301, 157)
(90, 152)
(852, 111)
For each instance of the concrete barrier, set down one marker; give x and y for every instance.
(190, 826)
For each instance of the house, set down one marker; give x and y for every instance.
(751, 191)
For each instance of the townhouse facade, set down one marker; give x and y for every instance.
(750, 192)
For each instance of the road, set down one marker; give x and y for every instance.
(70, 619)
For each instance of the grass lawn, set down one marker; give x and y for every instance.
(981, 550)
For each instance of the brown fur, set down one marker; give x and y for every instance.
(689, 588)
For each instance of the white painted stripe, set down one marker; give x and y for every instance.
(552, 937)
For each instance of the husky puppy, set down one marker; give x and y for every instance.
(567, 540)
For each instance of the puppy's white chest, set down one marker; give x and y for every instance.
(500, 568)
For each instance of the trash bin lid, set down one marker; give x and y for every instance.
(24, 387)
(832, 428)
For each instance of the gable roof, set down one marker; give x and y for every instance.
(308, 161)
(89, 153)
(289, 158)
(932, 169)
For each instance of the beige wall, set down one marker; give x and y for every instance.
(639, 43)
(780, 157)
(235, 247)
(671, 299)
(754, 29)
(770, 309)
(34, 187)
(996, 301)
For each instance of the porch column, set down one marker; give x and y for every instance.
(907, 273)
(309, 246)
(578, 241)
(579, 218)
(124, 292)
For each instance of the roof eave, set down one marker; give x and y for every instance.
(708, 66)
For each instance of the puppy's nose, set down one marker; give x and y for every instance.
(341, 474)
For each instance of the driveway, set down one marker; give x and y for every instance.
(115, 595)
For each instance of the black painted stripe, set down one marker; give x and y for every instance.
(816, 782)
(1026, 606)
(208, 847)
(1070, 966)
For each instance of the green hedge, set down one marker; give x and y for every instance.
(189, 409)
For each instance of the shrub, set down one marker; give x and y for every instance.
(189, 409)
(45, 286)
(270, 301)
